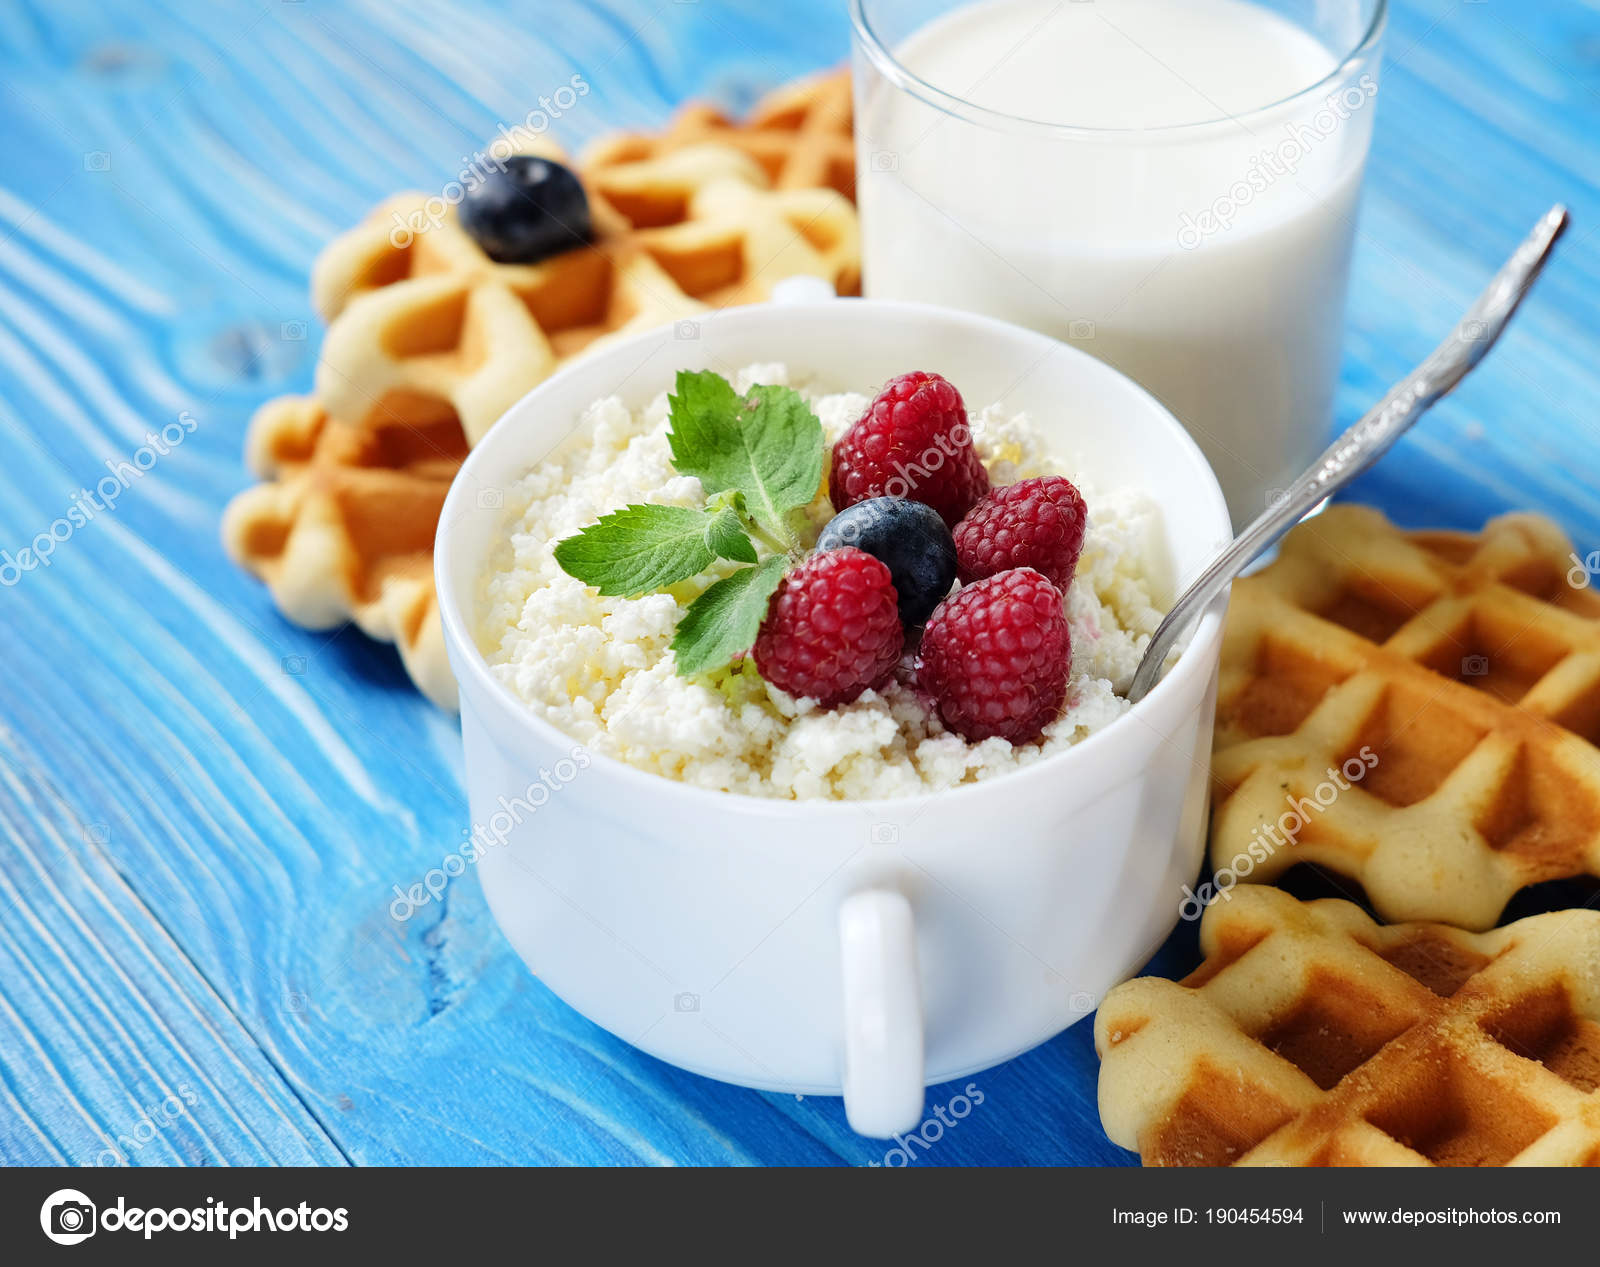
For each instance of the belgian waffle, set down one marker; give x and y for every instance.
(343, 528)
(424, 326)
(430, 341)
(1465, 667)
(1312, 1036)
(800, 134)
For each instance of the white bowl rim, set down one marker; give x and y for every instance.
(1195, 659)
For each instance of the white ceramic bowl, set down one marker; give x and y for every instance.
(859, 948)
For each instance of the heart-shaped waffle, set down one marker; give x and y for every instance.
(1312, 1036)
(800, 134)
(424, 325)
(343, 528)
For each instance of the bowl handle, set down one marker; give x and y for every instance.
(883, 1050)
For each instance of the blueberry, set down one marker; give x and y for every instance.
(526, 210)
(912, 542)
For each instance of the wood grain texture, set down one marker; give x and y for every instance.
(205, 809)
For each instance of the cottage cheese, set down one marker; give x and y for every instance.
(600, 669)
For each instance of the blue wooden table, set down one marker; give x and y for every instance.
(205, 808)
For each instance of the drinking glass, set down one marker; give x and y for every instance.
(1180, 203)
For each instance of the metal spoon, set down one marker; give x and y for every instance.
(1362, 445)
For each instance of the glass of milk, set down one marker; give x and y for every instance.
(1170, 185)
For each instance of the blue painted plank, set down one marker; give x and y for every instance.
(201, 835)
(118, 1052)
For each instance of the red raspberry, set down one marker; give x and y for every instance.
(832, 629)
(1037, 524)
(995, 657)
(913, 442)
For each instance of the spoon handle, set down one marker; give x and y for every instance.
(1367, 440)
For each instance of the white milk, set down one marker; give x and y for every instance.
(1208, 262)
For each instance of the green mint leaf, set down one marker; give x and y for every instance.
(725, 536)
(641, 549)
(702, 407)
(767, 446)
(728, 497)
(724, 620)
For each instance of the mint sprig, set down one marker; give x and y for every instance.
(725, 534)
(766, 446)
(759, 459)
(641, 549)
(724, 620)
